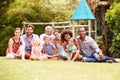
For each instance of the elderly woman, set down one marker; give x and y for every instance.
(16, 46)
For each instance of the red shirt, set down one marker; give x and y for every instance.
(16, 45)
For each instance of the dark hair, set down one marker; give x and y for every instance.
(81, 27)
(29, 25)
(55, 31)
(17, 29)
(64, 33)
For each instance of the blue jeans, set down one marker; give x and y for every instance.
(92, 58)
(105, 58)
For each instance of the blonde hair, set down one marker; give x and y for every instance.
(36, 41)
(46, 36)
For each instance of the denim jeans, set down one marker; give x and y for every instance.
(105, 58)
(92, 58)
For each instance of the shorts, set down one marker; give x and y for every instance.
(64, 54)
(11, 56)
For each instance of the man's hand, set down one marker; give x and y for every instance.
(100, 56)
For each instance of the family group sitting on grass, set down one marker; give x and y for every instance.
(55, 45)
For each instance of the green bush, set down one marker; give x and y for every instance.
(20, 11)
(113, 19)
(5, 35)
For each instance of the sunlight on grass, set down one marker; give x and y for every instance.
(15, 69)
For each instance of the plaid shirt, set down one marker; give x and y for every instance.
(88, 46)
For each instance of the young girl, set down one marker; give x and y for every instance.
(16, 46)
(36, 53)
(72, 51)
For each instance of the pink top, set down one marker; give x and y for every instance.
(36, 51)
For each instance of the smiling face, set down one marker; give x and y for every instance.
(29, 30)
(48, 31)
(82, 32)
(71, 41)
(57, 35)
(47, 39)
(67, 37)
(17, 32)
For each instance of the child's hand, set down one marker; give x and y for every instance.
(66, 50)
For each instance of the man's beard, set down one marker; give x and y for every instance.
(29, 34)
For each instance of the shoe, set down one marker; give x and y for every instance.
(117, 60)
(109, 61)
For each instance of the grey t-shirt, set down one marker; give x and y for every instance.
(48, 49)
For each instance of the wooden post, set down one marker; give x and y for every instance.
(95, 30)
(23, 27)
(89, 28)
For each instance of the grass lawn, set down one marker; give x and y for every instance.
(15, 69)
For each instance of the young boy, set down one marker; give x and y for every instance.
(49, 49)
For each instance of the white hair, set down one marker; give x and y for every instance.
(48, 27)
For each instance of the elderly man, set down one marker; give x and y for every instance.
(48, 31)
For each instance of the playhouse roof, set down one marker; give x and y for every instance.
(82, 12)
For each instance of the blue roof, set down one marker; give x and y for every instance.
(82, 12)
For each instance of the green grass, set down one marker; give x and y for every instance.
(15, 69)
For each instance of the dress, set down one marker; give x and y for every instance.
(36, 51)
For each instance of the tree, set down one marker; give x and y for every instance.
(113, 19)
(4, 5)
(17, 11)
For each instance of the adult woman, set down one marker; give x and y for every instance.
(65, 37)
(59, 45)
(16, 46)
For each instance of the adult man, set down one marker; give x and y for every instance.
(29, 37)
(90, 50)
(48, 31)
